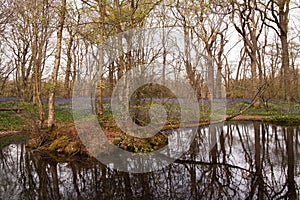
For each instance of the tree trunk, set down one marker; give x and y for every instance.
(56, 64)
(282, 24)
(285, 64)
(99, 83)
(68, 68)
(100, 64)
(36, 71)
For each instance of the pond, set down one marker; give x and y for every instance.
(250, 160)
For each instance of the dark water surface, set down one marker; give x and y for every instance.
(250, 161)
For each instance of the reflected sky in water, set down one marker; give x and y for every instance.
(249, 161)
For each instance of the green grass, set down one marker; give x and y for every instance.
(9, 121)
(269, 109)
(63, 115)
(276, 111)
(12, 139)
(9, 104)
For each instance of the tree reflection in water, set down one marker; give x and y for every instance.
(249, 161)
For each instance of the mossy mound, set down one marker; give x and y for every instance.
(59, 144)
(59, 140)
(141, 145)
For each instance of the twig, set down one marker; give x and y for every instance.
(211, 164)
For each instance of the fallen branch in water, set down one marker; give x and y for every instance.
(211, 164)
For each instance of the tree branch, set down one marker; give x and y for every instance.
(211, 164)
(259, 93)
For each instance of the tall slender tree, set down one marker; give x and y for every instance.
(36, 58)
(276, 16)
(56, 63)
(101, 10)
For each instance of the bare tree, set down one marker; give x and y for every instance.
(247, 21)
(70, 45)
(6, 12)
(37, 52)
(101, 11)
(209, 24)
(212, 26)
(276, 15)
(6, 67)
(56, 63)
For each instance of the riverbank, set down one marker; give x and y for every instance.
(64, 138)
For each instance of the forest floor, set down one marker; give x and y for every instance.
(64, 137)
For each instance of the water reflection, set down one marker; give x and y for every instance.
(249, 161)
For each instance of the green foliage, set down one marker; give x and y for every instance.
(9, 104)
(138, 145)
(233, 108)
(73, 147)
(285, 120)
(140, 148)
(107, 113)
(12, 139)
(59, 144)
(63, 115)
(10, 120)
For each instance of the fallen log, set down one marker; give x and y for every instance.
(17, 110)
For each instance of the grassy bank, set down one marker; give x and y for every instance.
(13, 139)
(64, 138)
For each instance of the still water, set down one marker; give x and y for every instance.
(249, 161)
